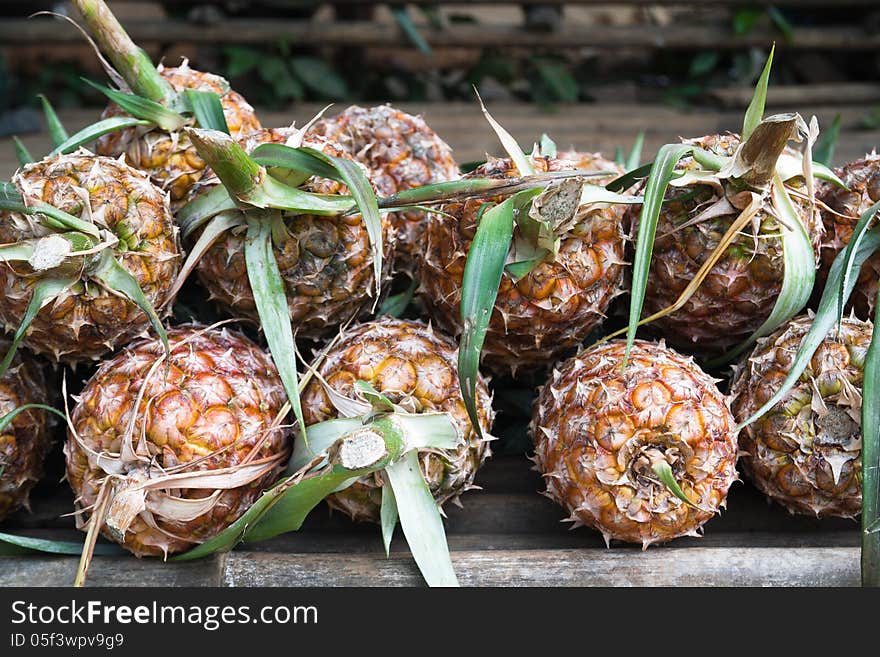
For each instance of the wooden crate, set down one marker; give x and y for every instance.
(507, 534)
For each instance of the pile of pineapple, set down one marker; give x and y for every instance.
(187, 440)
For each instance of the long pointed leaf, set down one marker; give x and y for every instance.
(212, 232)
(482, 276)
(271, 301)
(207, 109)
(849, 255)
(92, 132)
(871, 458)
(655, 191)
(365, 198)
(823, 322)
(11, 544)
(296, 159)
(388, 517)
(22, 154)
(142, 108)
(395, 305)
(520, 159)
(10, 416)
(112, 274)
(44, 292)
(11, 199)
(799, 270)
(202, 208)
(56, 129)
(755, 111)
(635, 154)
(421, 521)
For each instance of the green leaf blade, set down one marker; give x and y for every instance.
(755, 111)
(207, 109)
(421, 521)
(56, 129)
(870, 560)
(658, 181)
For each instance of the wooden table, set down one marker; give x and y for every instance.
(507, 534)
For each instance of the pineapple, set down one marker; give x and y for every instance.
(841, 214)
(325, 262)
(25, 442)
(168, 157)
(400, 152)
(741, 289)
(552, 308)
(415, 367)
(601, 433)
(133, 231)
(805, 452)
(146, 430)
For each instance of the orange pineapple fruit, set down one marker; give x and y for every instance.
(556, 305)
(142, 423)
(26, 441)
(416, 368)
(805, 452)
(600, 428)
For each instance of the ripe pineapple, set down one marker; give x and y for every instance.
(862, 177)
(415, 367)
(557, 304)
(805, 452)
(400, 152)
(599, 432)
(325, 261)
(25, 442)
(741, 289)
(132, 217)
(169, 157)
(143, 424)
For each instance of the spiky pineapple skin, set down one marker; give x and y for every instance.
(26, 441)
(415, 367)
(169, 158)
(862, 177)
(551, 309)
(326, 263)
(791, 453)
(740, 290)
(87, 320)
(594, 424)
(216, 402)
(400, 152)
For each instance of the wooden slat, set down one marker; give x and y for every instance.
(39, 570)
(630, 567)
(366, 33)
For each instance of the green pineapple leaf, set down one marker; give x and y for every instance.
(44, 292)
(396, 304)
(92, 132)
(112, 274)
(207, 108)
(520, 160)
(214, 230)
(294, 159)
(56, 129)
(22, 154)
(658, 180)
(271, 301)
(421, 521)
(483, 270)
(635, 153)
(388, 517)
(755, 111)
(141, 107)
(12, 545)
(862, 244)
(664, 473)
(202, 209)
(871, 458)
(799, 275)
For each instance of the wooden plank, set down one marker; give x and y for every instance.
(854, 93)
(368, 33)
(645, 3)
(39, 570)
(621, 567)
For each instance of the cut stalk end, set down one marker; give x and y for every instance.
(128, 59)
(239, 173)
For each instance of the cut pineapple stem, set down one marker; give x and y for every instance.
(130, 61)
